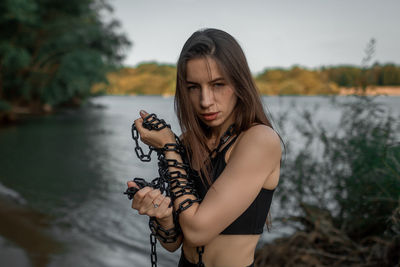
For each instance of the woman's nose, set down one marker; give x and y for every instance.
(207, 97)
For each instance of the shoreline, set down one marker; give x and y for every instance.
(17, 112)
(372, 90)
(26, 230)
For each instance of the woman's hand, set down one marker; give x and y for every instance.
(149, 201)
(153, 138)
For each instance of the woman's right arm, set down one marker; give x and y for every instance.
(144, 201)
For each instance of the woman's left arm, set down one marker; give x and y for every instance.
(256, 155)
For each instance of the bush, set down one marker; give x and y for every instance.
(356, 172)
(4, 106)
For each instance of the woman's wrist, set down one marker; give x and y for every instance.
(165, 231)
(169, 141)
(166, 222)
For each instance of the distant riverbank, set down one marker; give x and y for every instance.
(16, 112)
(378, 90)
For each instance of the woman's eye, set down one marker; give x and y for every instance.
(191, 87)
(218, 84)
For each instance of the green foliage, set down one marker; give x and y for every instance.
(295, 81)
(347, 76)
(4, 106)
(352, 171)
(388, 74)
(53, 51)
(22, 11)
(378, 75)
(325, 81)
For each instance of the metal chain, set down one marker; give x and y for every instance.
(139, 151)
(153, 254)
(166, 235)
(151, 122)
(200, 251)
(224, 138)
(168, 182)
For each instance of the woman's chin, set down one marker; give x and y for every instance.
(212, 123)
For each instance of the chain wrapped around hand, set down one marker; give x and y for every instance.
(175, 183)
(150, 122)
(165, 182)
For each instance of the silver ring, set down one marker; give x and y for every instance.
(155, 205)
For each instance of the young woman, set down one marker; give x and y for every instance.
(216, 97)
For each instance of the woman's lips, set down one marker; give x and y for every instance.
(210, 116)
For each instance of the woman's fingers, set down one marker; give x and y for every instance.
(139, 197)
(132, 184)
(164, 210)
(157, 201)
(143, 132)
(153, 138)
(139, 121)
(138, 124)
(143, 113)
(147, 203)
(151, 202)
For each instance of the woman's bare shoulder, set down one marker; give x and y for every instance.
(261, 135)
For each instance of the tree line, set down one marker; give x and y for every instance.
(159, 79)
(377, 74)
(146, 79)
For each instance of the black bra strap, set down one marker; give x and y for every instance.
(227, 146)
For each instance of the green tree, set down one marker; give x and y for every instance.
(390, 75)
(53, 51)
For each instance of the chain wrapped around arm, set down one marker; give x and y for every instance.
(175, 184)
(176, 180)
(179, 177)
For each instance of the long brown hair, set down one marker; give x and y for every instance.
(227, 53)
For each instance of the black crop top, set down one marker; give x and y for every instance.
(252, 220)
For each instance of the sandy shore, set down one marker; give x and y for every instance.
(25, 229)
(380, 90)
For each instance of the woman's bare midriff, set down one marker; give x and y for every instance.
(225, 250)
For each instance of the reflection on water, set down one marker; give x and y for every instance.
(70, 170)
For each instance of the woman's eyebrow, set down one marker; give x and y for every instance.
(217, 79)
(191, 82)
(213, 81)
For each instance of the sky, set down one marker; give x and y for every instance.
(309, 33)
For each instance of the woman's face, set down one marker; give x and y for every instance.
(211, 95)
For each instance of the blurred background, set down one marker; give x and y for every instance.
(74, 75)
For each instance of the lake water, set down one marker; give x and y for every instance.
(63, 176)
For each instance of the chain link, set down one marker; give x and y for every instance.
(150, 122)
(224, 138)
(200, 251)
(138, 150)
(153, 255)
(165, 235)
